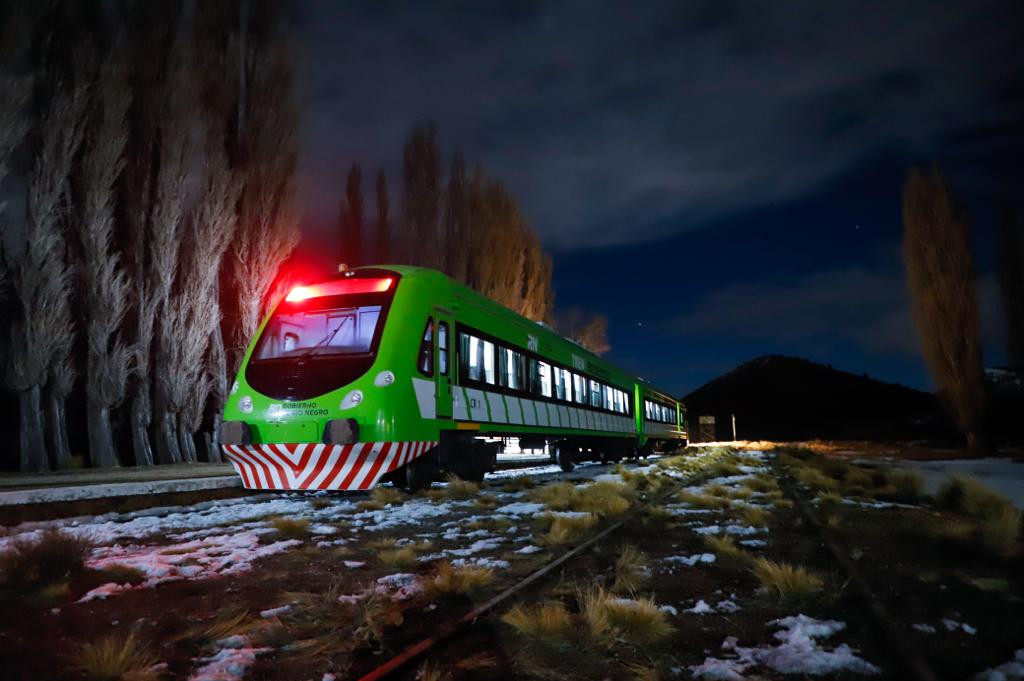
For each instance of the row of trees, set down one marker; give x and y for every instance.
(942, 281)
(153, 146)
(459, 221)
(464, 223)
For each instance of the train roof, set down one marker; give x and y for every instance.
(461, 290)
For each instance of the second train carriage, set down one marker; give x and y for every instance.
(400, 372)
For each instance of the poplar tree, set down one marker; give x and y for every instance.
(350, 220)
(943, 291)
(104, 282)
(1011, 280)
(382, 227)
(421, 198)
(40, 277)
(264, 153)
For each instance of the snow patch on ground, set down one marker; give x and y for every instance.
(197, 559)
(735, 529)
(701, 608)
(483, 562)
(530, 549)
(229, 662)
(953, 625)
(520, 508)
(798, 652)
(690, 561)
(1008, 671)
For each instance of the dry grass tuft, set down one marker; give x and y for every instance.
(557, 496)
(546, 623)
(231, 622)
(54, 556)
(753, 516)
(428, 671)
(477, 662)
(724, 468)
(55, 591)
(602, 499)
(815, 479)
(762, 484)
(116, 658)
(520, 484)
(907, 486)
(291, 528)
(487, 501)
(998, 533)
(829, 499)
(631, 570)
(968, 496)
(461, 489)
(454, 581)
(124, 574)
(331, 621)
(703, 500)
(400, 558)
(566, 529)
(788, 584)
(639, 622)
(387, 496)
(727, 552)
(320, 503)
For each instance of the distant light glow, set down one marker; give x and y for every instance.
(339, 287)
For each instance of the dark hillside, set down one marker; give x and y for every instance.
(787, 398)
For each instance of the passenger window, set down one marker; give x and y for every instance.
(472, 357)
(595, 393)
(562, 386)
(425, 365)
(579, 389)
(508, 372)
(488, 350)
(442, 348)
(540, 378)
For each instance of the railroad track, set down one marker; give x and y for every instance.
(899, 645)
(456, 626)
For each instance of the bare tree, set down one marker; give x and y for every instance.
(590, 331)
(104, 282)
(350, 219)
(456, 225)
(265, 155)
(194, 313)
(40, 276)
(176, 147)
(154, 28)
(421, 197)
(1011, 280)
(942, 284)
(382, 228)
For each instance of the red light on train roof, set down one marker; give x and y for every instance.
(339, 287)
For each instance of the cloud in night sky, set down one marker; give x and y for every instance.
(618, 123)
(865, 308)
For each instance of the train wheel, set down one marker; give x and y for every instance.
(563, 456)
(419, 473)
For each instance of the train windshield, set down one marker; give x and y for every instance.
(307, 333)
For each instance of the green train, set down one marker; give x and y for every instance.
(400, 373)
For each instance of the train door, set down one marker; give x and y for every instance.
(443, 361)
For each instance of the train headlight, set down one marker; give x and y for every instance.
(384, 379)
(352, 399)
(234, 387)
(245, 404)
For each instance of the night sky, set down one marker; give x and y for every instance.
(721, 179)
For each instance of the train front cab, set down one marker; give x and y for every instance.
(327, 396)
